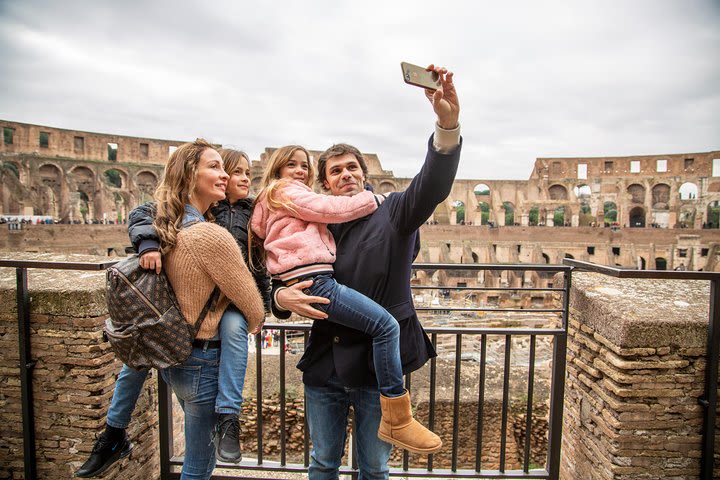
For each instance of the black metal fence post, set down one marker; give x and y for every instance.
(26, 369)
(166, 427)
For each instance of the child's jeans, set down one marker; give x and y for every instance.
(353, 309)
(231, 376)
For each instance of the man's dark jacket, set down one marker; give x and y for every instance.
(374, 257)
(234, 218)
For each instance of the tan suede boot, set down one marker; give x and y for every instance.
(397, 426)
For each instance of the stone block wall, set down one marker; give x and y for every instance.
(73, 379)
(636, 366)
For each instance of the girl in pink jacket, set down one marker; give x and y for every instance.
(292, 221)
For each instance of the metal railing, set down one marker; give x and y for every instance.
(250, 467)
(26, 363)
(708, 400)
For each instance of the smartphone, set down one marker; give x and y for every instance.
(419, 76)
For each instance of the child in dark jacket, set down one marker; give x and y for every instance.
(233, 213)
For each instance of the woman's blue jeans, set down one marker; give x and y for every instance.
(233, 363)
(353, 309)
(195, 384)
(327, 410)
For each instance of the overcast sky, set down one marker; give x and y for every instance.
(535, 78)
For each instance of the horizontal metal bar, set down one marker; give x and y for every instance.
(490, 266)
(631, 273)
(57, 265)
(470, 309)
(394, 472)
(513, 289)
(446, 330)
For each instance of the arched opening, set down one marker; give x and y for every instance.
(509, 213)
(660, 264)
(557, 192)
(534, 216)
(567, 255)
(12, 168)
(459, 212)
(386, 187)
(642, 265)
(688, 191)
(147, 183)
(713, 215)
(661, 197)
(637, 217)
(481, 189)
(582, 192)
(586, 218)
(484, 212)
(49, 192)
(610, 212)
(559, 217)
(113, 178)
(475, 257)
(637, 193)
(546, 258)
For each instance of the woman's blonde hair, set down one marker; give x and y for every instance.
(175, 189)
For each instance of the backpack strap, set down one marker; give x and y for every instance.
(209, 305)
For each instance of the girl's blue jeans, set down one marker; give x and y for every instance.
(353, 309)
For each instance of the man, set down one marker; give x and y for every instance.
(374, 256)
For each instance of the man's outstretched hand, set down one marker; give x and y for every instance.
(444, 100)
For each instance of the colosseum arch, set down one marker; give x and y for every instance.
(661, 196)
(82, 192)
(637, 217)
(484, 209)
(15, 169)
(146, 182)
(49, 190)
(561, 216)
(481, 189)
(610, 213)
(509, 209)
(582, 191)
(688, 191)
(459, 211)
(713, 215)
(660, 263)
(687, 216)
(557, 192)
(585, 218)
(533, 216)
(385, 187)
(636, 192)
(115, 178)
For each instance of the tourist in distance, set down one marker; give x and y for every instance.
(374, 257)
(233, 213)
(292, 220)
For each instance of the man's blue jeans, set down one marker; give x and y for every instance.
(195, 384)
(327, 409)
(233, 363)
(353, 309)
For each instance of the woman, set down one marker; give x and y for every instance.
(197, 257)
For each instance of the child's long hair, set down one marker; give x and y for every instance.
(174, 191)
(231, 159)
(271, 188)
(271, 184)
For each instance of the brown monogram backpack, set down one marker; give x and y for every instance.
(146, 328)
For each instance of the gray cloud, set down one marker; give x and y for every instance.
(536, 79)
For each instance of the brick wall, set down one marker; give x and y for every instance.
(636, 362)
(73, 380)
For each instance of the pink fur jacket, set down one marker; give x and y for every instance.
(299, 238)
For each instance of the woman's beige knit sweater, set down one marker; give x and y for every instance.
(204, 256)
